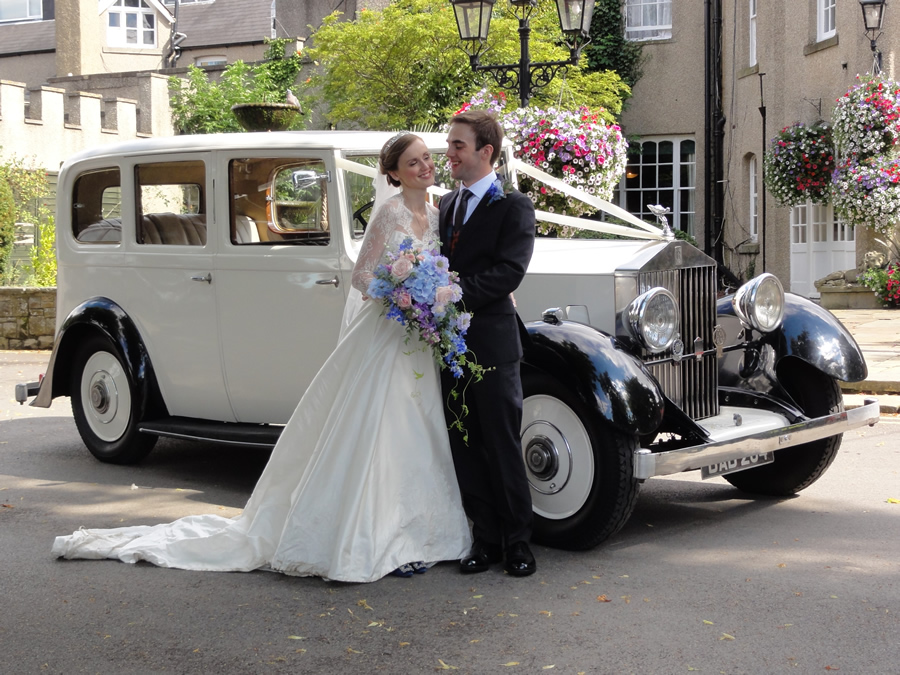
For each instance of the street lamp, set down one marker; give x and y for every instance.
(473, 19)
(873, 17)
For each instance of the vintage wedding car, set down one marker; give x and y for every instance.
(202, 281)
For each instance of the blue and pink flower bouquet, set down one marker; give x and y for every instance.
(420, 292)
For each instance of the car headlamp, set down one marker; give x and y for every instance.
(760, 303)
(652, 318)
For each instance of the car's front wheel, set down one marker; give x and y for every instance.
(105, 404)
(580, 471)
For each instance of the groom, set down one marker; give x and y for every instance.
(488, 236)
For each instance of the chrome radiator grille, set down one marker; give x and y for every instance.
(691, 384)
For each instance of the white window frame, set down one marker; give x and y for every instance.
(274, 20)
(751, 60)
(648, 19)
(826, 19)
(33, 10)
(753, 189)
(216, 60)
(117, 36)
(683, 214)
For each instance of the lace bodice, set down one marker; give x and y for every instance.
(391, 224)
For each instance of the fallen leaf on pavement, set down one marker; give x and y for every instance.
(350, 650)
(726, 636)
(446, 666)
(544, 611)
(892, 500)
(708, 623)
(510, 663)
(363, 604)
(603, 598)
(296, 637)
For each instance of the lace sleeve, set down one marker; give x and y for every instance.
(378, 234)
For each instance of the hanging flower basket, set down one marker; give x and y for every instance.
(799, 164)
(868, 192)
(866, 120)
(576, 146)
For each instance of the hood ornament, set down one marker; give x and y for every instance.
(660, 212)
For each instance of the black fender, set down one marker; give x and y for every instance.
(101, 315)
(808, 332)
(608, 380)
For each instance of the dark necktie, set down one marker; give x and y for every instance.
(459, 216)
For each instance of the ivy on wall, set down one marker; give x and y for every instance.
(609, 50)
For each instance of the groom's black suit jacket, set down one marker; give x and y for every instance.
(492, 252)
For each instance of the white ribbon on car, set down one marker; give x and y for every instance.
(641, 229)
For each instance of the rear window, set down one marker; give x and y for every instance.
(97, 207)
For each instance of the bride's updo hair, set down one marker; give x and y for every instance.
(389, 159)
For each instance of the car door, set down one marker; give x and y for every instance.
(167, 285)
(280, 286)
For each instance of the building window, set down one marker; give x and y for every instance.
(753, 183)
(132, 23)
(752, 54)
(825, 19)
(20, 10)
(814, 222)
(648, 19)
(210, 61)
(661, 171)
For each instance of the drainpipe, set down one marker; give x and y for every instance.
(176, 39)
(714, 134)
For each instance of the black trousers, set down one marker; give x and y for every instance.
(490, 469)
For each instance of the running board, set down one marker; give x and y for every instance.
(229, 433)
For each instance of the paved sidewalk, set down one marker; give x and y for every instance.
(877, 331)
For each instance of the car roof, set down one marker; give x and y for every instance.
(351, 142)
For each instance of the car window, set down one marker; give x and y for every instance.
(171, 204)
(361, 191)
(97, 207)
(279, 200)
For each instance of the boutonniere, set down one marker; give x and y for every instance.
(496, 191)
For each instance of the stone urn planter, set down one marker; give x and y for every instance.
(266, 116)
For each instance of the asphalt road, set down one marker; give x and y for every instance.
(702, 579)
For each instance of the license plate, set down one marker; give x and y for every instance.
(732, 465)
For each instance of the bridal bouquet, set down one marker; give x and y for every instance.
(420, 292)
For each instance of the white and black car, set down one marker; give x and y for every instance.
(202, 281)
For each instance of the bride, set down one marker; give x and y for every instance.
(361, 483)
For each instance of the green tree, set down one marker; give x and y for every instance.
(7, 225)
(404, 66)
(203, 106)
(30, 192)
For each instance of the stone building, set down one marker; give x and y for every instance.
(720, 80)
(78, 73)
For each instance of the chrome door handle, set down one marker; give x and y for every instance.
(334, 281)
(207, 278)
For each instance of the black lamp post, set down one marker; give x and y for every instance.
(473, 18)
(873, 16)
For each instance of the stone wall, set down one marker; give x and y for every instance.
(27, 318)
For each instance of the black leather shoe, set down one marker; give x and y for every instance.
(519, 560)
(481, 557)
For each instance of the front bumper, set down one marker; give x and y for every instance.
(648, 464)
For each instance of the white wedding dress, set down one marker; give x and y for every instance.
(361, 480)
